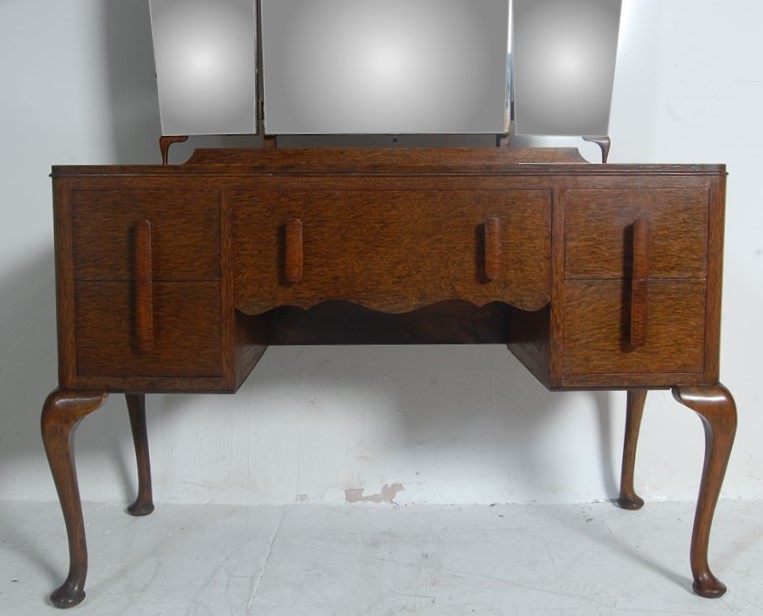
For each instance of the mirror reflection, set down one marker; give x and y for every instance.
(384, 66)
(564, 65)
(205, 65)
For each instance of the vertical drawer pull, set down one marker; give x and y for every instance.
(639, 281)
(492, 248)
(144, 286)
(294, 259)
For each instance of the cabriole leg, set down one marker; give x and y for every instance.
(136, 406)
(61, 414)
(716, 408)
(635, 410)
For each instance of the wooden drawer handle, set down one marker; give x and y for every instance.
(639, 282)
(144, 286)
(492, 248)
(294, 257)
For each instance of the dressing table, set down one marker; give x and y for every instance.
(177, 278)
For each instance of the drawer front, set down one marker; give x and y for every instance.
(596, 328)
(185, 233)
(599, 232)
(391, 250)
(187, 333)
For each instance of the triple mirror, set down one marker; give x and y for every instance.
(385, 66)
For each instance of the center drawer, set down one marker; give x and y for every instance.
(391, 250)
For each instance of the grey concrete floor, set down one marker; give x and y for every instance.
(366, 559)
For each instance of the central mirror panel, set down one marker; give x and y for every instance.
(385, 66)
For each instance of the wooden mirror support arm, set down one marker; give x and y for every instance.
(165, 143)
(604, 143)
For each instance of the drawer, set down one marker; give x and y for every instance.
(596, 325)
(391, 250)
(187, 330)
(599, 232)
(185, 233)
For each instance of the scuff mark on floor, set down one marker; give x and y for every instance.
(387, 494)
(256, 584)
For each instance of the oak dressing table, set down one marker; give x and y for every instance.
(177, 278)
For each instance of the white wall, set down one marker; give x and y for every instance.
(450, 424)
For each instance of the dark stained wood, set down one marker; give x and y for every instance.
(177, 278)
(715, 407)
(354, 159)
(136, 407)
(243, 338)
(184, 232)
(604, 143)
(144, 287)
(529, 339)
(270, 142)
(599, 227)
(555, 347)
(166, 142)
(187, 339)
(635, 410)
(387, 249)
(397, 161)
(492, 248)
(639, 306)
(61, 414)
(65, 312)
(716, 219)
(451, 322)
(597, 338)
(294, 256)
